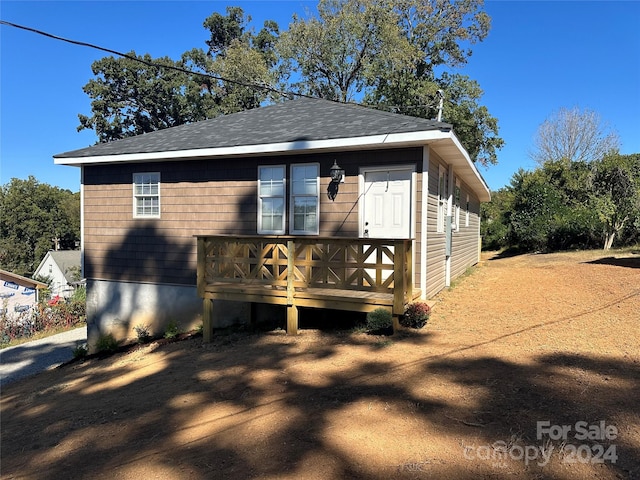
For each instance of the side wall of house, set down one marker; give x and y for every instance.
(435, 240)
(465, 239)
(126, 259)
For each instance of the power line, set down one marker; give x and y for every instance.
(265, 87)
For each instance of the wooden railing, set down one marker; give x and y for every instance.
(343, 273)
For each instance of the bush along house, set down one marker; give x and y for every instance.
(303, 204)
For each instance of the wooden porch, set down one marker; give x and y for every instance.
(354, 274)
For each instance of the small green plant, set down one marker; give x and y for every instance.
(106, 344)
(383, 343)
(172, 330)
(379, 319)
(143, 333)
(80, 351)
(416, 315)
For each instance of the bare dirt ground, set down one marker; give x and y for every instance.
(526, 339)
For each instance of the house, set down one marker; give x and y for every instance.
(18, 295)
(266, 173)
(62, 267)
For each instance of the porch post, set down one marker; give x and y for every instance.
(207, 320)
(292, 309)
(399, 280)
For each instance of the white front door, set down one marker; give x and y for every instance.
(387, 203)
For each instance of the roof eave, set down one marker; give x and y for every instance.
(443, 141)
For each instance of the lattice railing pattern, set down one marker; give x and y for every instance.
(351, 264)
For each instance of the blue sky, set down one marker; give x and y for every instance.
(539, 56)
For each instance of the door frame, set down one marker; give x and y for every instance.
(386, 168)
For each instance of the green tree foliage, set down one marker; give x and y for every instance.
(139, 94)
(33, 216)
(337, 53)
(131, 97)
(563, 205)
(396, 55)
(616, 193)
(240, 58)
(583, 194)
(494, 224)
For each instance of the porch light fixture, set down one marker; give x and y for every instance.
(337, 176)
(336, 173)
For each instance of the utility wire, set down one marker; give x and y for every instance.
(153, 64)
(264, 87)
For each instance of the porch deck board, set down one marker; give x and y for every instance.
(329, 298)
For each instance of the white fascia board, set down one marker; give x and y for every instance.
(468, 163)
(399, 139)
(406, 139)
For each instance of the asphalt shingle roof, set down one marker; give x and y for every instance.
(67, 261)
(294, 120)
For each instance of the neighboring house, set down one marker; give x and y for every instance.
(267, 172)
(63, 268)
(18, 294)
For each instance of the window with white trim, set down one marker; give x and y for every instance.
(442, 199)
(466, 218)
(457, 204)
(305, 199)
(271, 200)
(146, 195)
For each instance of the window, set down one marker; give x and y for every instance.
(271, 196)
(457, 204)
(146, 195)
(305, 189)
(442, 200)
(466, 218)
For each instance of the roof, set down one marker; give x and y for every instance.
(7, 276)
(68, 262)
(287, 128)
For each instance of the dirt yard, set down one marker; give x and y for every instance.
(528, 368)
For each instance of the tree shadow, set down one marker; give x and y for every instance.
(25, 360)
(559, 390)
(628, 262)
(134, 272)
(254, 405)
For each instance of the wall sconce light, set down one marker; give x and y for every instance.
(336, 173)
(337, 177)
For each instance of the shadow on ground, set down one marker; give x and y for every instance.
(330, 404)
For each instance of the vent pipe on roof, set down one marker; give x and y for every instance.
(440, 104)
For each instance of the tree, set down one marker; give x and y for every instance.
(573, 135)
(139, 94)
(33, 218)
(536, 205)
(390, 53)
(243, 61)
(494, 225)
(616, 193)
(337, 53)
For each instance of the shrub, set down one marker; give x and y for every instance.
(379, 319)
(80, 351)
(172, 330)
(106, 344)
(142, 331)
(415, 315)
